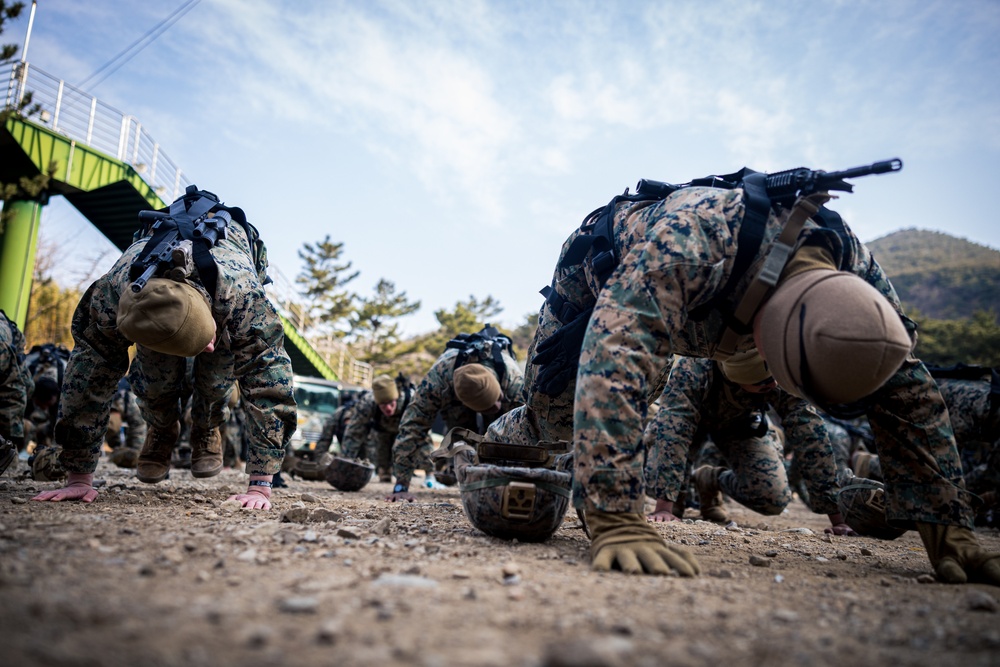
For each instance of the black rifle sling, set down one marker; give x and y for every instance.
(184, 219)
(757, 208)
(466, 343)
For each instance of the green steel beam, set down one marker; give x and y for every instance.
(305, 360)
(78, 166)
(18, 247)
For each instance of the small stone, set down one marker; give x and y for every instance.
(18, 501)
(723, 574)
(981, 601)
(865, 551)
(757, 561)
(382, 527)
(321, 514)
(309, 498)
(778, 578)
(348, 533)
(404, 581)
(248, 556)
(785, 615)
(771, 554)
(510, 568)
(298, 605)
(800, 531)
(329, 632)
(231, 505)
(926, 579)
(460, 574)
(822, 559)
(295, 515)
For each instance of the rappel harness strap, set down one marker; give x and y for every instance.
(467, 343)
(183, 219)
(739, 323)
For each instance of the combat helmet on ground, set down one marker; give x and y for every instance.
(862, 504)
(313, 467)
(346, 474)
(510, 491)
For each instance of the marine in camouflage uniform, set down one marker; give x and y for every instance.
(15, 388)
(677, 254)
(436, 393)
(975, 417)
(370, 433)
(700, 400)
(335, 426)
(249, 347)
(125, 412)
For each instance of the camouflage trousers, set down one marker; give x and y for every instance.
(158, 380)
(916, 447)
(756, 475)
(754, 472)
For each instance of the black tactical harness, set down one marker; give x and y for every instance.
(466, 344)
(184, 216)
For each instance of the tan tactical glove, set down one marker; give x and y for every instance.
(631, 543)
(956, 555)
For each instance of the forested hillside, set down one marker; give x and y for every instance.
(941, 276)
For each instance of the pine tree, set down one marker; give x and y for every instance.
(373, 321)
(330, 306)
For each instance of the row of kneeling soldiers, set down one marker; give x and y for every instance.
(650, 292)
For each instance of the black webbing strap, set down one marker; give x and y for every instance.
(184, 219)
(739, 321)
(466, 343)
(757, 208)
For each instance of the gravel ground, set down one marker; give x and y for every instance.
(170, 574)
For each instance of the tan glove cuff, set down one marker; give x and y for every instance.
(608, 528)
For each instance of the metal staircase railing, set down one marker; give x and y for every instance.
(81, 117)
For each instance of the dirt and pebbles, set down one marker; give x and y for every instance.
(170, 574)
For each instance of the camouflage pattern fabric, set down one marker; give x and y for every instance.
(436, 393)
(15, 381)
(698, 396)
(39, 424)
(250, 348)
(977, 432)
(125, 404)
(526, 504)
(45, 464)
(369, 433)
(676, 254)
(336, 424)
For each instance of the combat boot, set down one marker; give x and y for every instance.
(124, 457)
(206, 452)
(154, 458)
(706, 483)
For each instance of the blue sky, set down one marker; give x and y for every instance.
(452, 146)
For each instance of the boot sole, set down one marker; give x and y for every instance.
(150, 480)
(202, 474)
